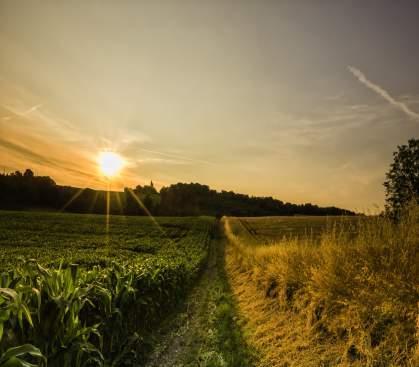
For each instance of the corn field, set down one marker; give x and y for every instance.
(101, 310)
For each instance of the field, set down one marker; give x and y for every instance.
(50, 238)
(266, 230)
(86, 290)
(327, 291)
(85, 295)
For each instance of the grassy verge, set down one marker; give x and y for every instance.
(350, 300)
(205, 332)
(224, 337)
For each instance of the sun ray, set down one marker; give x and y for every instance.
(118, 201)
(74, 197)
(92, 205)
(108, 206)
(142, 206)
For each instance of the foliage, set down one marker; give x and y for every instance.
(204, 331)
(227, 335)
(19, 191)
(14, 357)
(97, 312)
(350, 298)
(402, 184)
(83, 239)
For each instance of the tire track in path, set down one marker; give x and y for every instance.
(204, 332)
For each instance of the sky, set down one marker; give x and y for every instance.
(304, 101)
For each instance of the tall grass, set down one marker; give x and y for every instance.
(357, 296)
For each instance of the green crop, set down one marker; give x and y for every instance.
(83, 302)
(16, 357)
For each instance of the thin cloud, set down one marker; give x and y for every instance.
(32, 109)
(23, 113)
(162, 161)
(178, 157)
(382, 92)
(38, 158)
(37, 112)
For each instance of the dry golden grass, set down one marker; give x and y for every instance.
(346, 301)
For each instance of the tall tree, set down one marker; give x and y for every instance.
(402, 183)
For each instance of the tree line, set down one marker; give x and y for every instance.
(27, 191)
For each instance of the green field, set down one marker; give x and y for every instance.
(265, 230)
(51, 238)
(85, 295)
(87, 290)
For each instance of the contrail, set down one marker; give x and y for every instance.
(382, 92)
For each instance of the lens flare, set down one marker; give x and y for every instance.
(110, 163)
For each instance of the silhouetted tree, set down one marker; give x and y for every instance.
(20, 191)
(148, 203)
(402, 183)
(28, 173)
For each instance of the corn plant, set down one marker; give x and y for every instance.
(13, 312)
(16, 357)
(101, 312)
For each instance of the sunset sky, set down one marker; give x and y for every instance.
(301, 100)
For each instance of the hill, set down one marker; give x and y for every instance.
(26, 191)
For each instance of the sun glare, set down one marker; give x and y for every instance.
(110, 163)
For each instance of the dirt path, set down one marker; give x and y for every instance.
(203, 332)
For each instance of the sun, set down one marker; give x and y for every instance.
(110, 163)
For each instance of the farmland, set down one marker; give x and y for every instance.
(327, 292)
(265, 230)
(83, 294)
(83, 239)
(87, 290)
